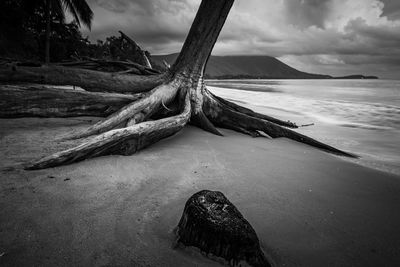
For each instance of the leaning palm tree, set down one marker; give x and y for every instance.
(79, 9)
(152, 108)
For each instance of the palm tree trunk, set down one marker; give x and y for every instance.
(48, 29)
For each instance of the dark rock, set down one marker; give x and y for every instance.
(213, 224)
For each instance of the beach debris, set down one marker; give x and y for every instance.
(214, 225)
(67, 179)
(51, 177)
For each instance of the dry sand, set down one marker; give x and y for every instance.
(307, 207)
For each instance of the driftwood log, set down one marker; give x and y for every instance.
(213, 224)
(43, 101)
(116, 66)
(167, 102)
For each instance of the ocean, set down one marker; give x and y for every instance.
(358, 116)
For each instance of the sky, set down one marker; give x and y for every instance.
(335, 37)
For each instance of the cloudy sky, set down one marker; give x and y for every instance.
(335, 37)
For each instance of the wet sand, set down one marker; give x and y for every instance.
(308, 208)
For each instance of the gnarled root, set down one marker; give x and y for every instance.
(134, 112)
(126, 141)
(224, 116)
(198, 118)
(251, 113)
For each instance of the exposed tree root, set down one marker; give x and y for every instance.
(126, 141)
(224, 116)
(200, 120)
(252, 133)
(164, 93)
(254, 114)
(198, 117)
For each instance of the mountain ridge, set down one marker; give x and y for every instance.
(251, 67)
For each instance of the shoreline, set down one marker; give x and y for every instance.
(244, 77)
(375, 144)
(308, 208)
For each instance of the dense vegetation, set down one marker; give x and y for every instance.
(22, 36)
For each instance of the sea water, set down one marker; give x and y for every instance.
(359, 116)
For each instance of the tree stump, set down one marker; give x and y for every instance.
(213, 224)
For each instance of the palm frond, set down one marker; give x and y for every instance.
(80, 10)
(58, 10)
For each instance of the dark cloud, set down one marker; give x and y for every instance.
(383, 38)
(317, 35)
(306, 13)
(117, 6)
(391, 9)
(386, 60)
(149, 22)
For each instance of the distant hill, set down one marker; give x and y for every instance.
(226, 67)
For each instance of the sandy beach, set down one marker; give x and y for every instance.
(308, 208)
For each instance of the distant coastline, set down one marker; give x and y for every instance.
(314, 77)
(355, 77)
